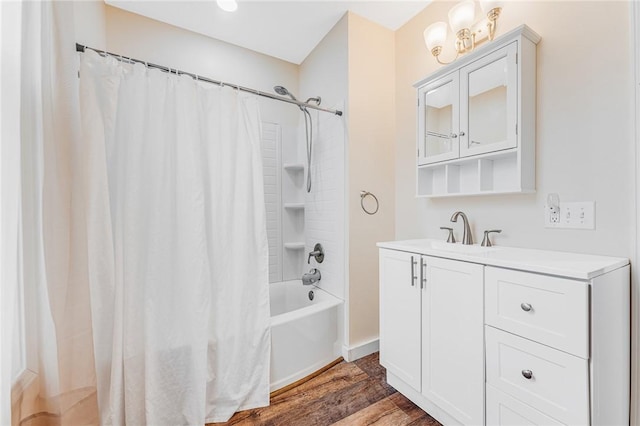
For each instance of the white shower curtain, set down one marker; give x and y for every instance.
(177, 245)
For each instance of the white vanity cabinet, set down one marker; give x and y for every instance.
(506, 336)
(400, 316)
(476, 121)
(431, 331)
(557, 348)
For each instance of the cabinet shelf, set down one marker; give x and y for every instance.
(293, 167)
(294, 246)
(483, 175)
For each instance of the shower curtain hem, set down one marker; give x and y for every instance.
(243, 407)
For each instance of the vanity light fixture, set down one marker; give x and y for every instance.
(228, 5)
(468, 33)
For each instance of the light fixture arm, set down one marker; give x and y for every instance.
(436, 51)
(493, 16)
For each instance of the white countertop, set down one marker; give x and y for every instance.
(570, 265)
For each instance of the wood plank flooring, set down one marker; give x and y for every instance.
(350, 393)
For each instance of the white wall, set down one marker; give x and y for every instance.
(325, 72)
(584, 130)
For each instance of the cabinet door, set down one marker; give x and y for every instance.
(438, 117)
(400, 315)
(452, 339)
(488, 105)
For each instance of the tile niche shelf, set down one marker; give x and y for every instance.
(494, 173)
(293, 167)
(294, 206)
(294, 246)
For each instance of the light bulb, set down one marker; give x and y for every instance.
(435, 35)
(461, 15)
(488, 5)
(227, 5)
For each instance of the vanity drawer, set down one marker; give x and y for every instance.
(550, 310)
(551, 381)
(505, 410)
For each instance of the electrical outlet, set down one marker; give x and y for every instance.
(552, 210)
(551, 217)
(576, 215)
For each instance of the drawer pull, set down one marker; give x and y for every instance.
(526, 307)
(527, 374)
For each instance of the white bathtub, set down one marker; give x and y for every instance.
(304, 333)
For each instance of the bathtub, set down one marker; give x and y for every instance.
(304, 333)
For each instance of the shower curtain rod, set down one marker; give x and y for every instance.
(81, 48)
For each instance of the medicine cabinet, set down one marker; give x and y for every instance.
(476, 121)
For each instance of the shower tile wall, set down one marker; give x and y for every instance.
(325, 205)
(271, 143)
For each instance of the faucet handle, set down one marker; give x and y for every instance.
(317, 253)
(450, 238)
(486, 241)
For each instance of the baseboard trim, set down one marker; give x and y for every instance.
(356, 352)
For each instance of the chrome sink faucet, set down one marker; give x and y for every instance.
(467, 238)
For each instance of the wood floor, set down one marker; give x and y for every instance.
(350, 393)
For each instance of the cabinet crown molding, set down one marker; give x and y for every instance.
(521, 31)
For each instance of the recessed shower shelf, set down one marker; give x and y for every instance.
(294, 206)
(294, 246)
(293, 167)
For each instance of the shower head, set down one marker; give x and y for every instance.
(282, 91)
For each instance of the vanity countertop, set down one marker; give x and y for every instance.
(570, 265)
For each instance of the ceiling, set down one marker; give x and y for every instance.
(287, 30)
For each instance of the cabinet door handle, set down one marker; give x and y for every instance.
(423, 276)
(526, 307)
(453, 135)
(462, 133)
(527, 374)
(413, 272)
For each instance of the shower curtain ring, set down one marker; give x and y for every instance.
(365, 194)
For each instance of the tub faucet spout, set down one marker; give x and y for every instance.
(311, 277)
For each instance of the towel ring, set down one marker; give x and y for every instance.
(365, 194)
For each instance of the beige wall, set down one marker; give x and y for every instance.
(136, 36)
(371, 167)
(90, 18)
(584, 130)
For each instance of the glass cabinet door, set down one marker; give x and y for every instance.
(488, 112)
(438, 120)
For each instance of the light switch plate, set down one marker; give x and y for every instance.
(575, 215)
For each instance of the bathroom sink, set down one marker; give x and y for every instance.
(459, 248)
